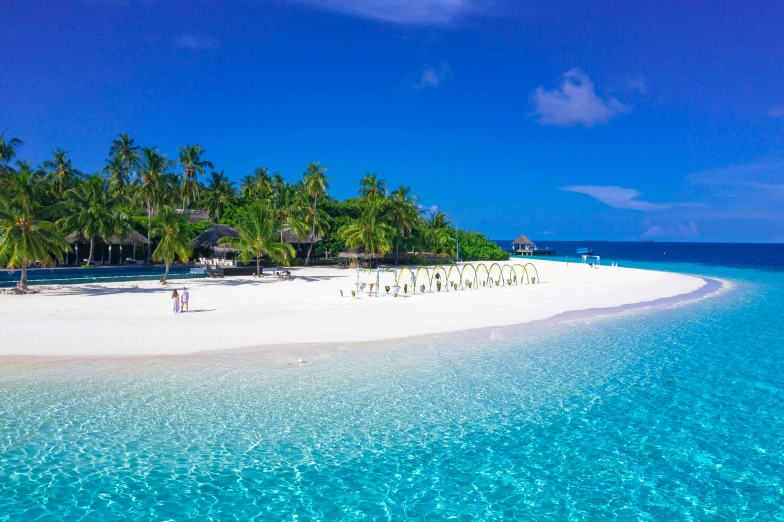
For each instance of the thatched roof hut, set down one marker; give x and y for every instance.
(210, 237)
(523, 241)
(128, 238)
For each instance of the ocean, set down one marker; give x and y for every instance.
(657, 414)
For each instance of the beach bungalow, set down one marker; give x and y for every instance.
(109, 252)
(210, 238)
(522, 246)
(355, 257)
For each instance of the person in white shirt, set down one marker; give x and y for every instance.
(184, 298)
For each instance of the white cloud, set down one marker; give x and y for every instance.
(190, 41)
(678, 230)
(432, 77)
(616, 197)
(762, 180)
(432, 209)
(574, 103)
(777, 112)
(637, 83)
(414, 12)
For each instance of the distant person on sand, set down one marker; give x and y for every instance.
(175, 303)
(184, 299)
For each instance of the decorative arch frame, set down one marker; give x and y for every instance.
(535, 279)
(496, 274)
(405, 277)
(441, 271)
(508, 275)
(521, 273)
(482, 274)
(454, 276)
(468, 275)
(422, 277)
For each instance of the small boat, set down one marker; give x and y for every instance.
(584, 251)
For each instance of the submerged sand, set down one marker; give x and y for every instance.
(132, 318)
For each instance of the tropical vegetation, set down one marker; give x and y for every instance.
(141, 189)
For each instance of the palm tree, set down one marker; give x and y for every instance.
(370, 187)
(125, 153)
(248, 187)
(8, 151)
(61, 173)
(26, 234)
(193, 166)
(119, 176)
(436, 231)
(173, 239)
(405, 214)
(287, 205)
(220, 192)
(94, 212)
(315, 183)
(258, 237)
(152, 183)
(257, 184)
(369, 230)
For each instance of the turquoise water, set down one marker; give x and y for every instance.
(665, 414)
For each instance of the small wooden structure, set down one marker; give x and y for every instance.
(78, 239)
(357, 256)
(210, 239)
(589, 259)
(522, 246)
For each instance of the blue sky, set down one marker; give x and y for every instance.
(615, 120)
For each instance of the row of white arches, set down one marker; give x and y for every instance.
(466, 277)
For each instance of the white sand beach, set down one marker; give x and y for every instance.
(132, 318)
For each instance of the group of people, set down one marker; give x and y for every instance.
(179, 302)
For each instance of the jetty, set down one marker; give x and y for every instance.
(522, 246)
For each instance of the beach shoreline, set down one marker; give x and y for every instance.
(246, 314)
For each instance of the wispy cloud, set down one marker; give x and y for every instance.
(574, 103)
(414, 12)
(677, 230)
(637, 83)
(190, 41)
(761, 180)
(432, 77)
(777, 112)
(617, 197)
(432, 209)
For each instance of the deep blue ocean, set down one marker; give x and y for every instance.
(657, 414)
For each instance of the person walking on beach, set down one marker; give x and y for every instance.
(184, 298)
(175, 303)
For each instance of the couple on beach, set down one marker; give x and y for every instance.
(179, 302)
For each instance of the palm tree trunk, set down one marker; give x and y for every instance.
(258, 266)
(397, 250)
(312, 231)
(23, 277)
(166, 273)
(149, 227)
(92, 250)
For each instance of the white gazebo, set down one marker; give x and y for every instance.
(587, 259)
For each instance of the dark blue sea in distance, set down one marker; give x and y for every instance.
(766, 256)
(663, 414)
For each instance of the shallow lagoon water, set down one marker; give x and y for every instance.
(664, 414)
